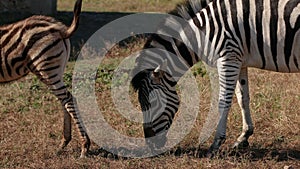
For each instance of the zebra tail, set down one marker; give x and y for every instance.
(77, 10)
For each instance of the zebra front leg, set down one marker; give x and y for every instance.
(228, 69)
(242, 93)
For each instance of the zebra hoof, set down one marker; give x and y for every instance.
(212, 153)
(214, 148)
(59, 152)
(83, 156)
(84, 153)
(62, 147)
(241, 145)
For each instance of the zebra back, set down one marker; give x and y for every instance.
(189, 8)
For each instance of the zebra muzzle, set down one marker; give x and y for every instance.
(155, 140)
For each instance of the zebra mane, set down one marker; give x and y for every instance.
(190, 8)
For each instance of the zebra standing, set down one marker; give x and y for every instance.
(229, 34)
(41, 45)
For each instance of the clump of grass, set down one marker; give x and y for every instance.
(32, 119)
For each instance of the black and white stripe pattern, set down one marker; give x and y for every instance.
(41, 45)
(231, 35)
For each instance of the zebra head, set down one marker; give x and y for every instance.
(159, 102)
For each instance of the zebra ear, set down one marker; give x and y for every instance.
(162, 67)
(159, 71)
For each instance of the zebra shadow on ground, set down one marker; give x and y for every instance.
(252, 154)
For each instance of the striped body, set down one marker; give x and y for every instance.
(230, 35)
(41, 45)
(30, 44)
(264, 32)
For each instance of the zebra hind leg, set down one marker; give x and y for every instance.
(70, 106)
(67, 132)
(58, 88)
(49, 65)
(242, 93)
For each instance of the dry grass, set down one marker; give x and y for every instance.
(31, 123)
(122, 5)
(32, 118)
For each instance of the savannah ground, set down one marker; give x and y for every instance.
(31, 117)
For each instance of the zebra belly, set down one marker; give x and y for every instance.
(7, 74)
(291, 67)
(281, 62)
(10, 79)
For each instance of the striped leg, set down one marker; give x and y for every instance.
(70, 111)
(228, 69)
(52, 77)
(67, 130)
(242, 93)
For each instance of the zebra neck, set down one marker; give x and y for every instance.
(194, 43)
(205, 36)
(182, 42)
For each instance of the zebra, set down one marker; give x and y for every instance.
(41, 45)
(230, 35)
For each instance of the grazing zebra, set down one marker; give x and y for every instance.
(231, 35)
(41, 45)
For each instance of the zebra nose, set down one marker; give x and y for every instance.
(158, 141)
(154, 140)
(149, 132)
